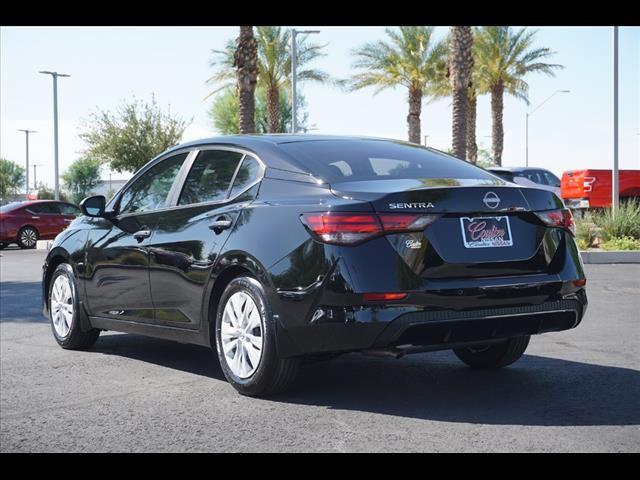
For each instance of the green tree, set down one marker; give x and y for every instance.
(224, 112)
(132, 136)
(412, 59)
(46, 193)
(11, 178)
(81, 177)
(274, 68)
(504, 57)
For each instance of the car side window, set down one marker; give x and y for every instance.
(210, 177)
(150, 191)
(247, 174)
(43, 208)
(67, 209)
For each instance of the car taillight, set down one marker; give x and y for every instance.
(559, 218)
(343, 228)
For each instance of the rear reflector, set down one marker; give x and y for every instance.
(343, 228)
(383, 297)
(580, 283)
(562, 218)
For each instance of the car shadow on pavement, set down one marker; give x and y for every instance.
(21, 302)
(535, 391)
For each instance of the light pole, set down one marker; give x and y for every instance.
(294, 59)
(615, 173)
(35, 184)
(55, 76)
(527, 122)
(26, 134)
(425, 140)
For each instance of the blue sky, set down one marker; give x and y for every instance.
(110, 64)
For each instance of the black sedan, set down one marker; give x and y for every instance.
(277, 248)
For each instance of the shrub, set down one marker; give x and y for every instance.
(625, 222)
(586, 232)
(621, 243)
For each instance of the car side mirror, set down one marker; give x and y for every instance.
(93, 206)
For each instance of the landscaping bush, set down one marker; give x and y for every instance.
(621, 243)
(625, 222)
(586, 232)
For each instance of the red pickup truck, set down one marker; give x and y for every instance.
(592, 188)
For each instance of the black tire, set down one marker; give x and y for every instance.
(3, 245)
(75, 339)
(28, 237)
(273, 374)
(494, 355)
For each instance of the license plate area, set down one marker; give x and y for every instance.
(486, 232)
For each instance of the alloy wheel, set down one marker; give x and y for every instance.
(62, 306)
(242, 335)
(28, 237)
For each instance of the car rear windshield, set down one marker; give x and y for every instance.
(354, 160)
(10, 206)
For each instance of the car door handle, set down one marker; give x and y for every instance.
(142, 234)
(35, 218)
(221, 223)
(68, 220)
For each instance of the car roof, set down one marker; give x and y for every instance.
(266, 146)
(514, 169)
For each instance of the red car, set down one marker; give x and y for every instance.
(27, 222)
(592, 188)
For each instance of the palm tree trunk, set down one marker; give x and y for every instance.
(273, 109)
(497, 130)
(472, 109)
(460, 63)
(246, 63)
(413, 119)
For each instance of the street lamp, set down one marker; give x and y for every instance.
(35, 184)
(615, 174)
(527, 122)
(294, 60)
(55, 76)
(27, 132)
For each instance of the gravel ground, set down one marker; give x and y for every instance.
(577, 390)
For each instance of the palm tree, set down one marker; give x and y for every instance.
(460, 65)
(274, 67)
(411, 59)
(504, 57)
(246, 63)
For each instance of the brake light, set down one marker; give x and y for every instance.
(559, 218)
(383, 297)
(343, 228)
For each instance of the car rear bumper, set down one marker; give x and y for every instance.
(367, 328)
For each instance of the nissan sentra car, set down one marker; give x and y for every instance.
(272, 249)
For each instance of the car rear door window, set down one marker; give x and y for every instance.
(150, 191)
(248, 174)
(210, 177)
(44, 208)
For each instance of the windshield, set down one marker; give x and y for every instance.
(354, 160)
(10, 206)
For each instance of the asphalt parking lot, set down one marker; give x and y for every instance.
(574, 391)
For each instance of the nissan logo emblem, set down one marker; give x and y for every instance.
(491, 200)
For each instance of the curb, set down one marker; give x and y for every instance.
(44, 244)
(620, 256)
